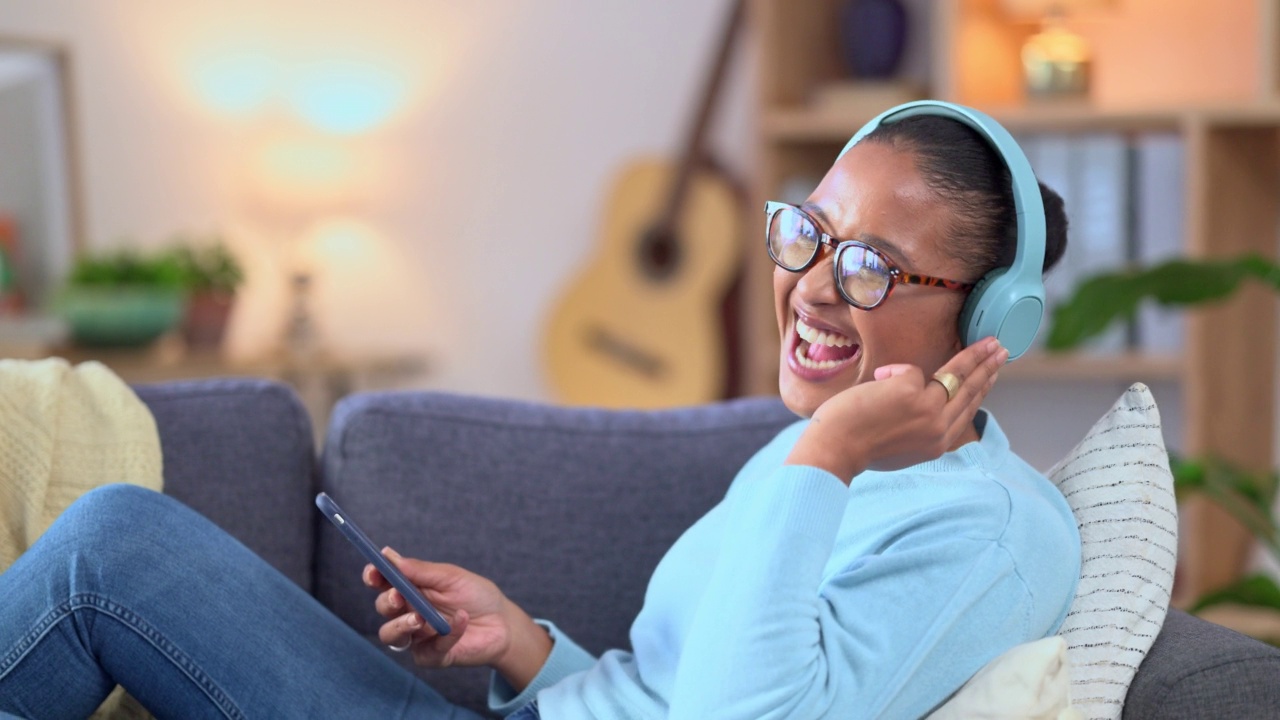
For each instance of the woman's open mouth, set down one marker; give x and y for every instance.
(820, 354)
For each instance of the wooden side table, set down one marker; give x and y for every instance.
(320, 381)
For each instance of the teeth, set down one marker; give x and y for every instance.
(814, 364)
(818, 337)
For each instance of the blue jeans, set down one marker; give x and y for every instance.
(130, 587)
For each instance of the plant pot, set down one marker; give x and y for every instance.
(206, 319)
(125, 316)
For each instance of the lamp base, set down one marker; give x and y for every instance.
(1056, 64)
(1057, 81)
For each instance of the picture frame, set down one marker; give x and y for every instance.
(40, 195)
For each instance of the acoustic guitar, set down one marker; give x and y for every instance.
(643, 325)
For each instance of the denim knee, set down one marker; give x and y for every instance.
(103, 518)
(115, 507)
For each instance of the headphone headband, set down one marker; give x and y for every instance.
(1009, 302)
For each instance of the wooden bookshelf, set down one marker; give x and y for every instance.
(1231, 131)
(1123, 367)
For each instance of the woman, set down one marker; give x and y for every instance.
(865, 563)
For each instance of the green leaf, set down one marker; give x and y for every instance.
(1247, 497)
(208, 267)
(1188, 475)
(1101, 300)
(1255, 590)
(1097, 302)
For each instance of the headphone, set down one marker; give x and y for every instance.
(1007, 302)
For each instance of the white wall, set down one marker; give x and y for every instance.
(483, 188)
(488, 185)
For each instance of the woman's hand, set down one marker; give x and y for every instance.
(901, 419)
(487, 628)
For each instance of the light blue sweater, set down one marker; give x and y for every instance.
(798, 597)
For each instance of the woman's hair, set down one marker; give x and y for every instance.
(965, 171)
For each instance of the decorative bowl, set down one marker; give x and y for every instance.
(122, 316)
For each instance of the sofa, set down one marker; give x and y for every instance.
(568, 510)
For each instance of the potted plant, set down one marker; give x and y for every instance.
(124, 298)
(1106, 298)
(211, 275)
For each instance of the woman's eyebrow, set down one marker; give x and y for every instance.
(817, 211)
(884, 245)
(888, 247)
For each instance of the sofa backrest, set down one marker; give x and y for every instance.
(568, 510)
(241, 452)
(1197, 669)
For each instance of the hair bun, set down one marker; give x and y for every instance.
(1055, 225)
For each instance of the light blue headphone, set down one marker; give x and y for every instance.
(1007, 303)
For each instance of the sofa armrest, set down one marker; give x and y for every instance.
(1196, 669)
(241, 453)
(568, 510)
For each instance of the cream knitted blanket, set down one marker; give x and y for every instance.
(63, 432)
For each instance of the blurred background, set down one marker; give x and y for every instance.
(559, 200)
(461, 150)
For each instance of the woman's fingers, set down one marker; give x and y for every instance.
(422, 573)
(373, 578)
(966, 414)
(399, 631)
(389, 603)
(435, 652)
(973, 367)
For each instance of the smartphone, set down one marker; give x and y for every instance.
(408, 590)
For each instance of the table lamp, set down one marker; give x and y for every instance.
(1056, 62)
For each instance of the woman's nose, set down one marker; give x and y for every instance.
(817, 284)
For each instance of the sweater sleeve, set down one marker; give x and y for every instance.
(893, 635)
(566, 658)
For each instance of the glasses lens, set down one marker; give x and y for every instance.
(863, 275)
(792, 239)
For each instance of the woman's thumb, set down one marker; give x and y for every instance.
(884, 372)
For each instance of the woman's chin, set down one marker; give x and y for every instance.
(801, 397)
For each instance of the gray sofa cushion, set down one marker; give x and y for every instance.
(1197, 669)
(241, 452)
(568, 510)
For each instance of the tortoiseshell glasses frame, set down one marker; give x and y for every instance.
(864, 276)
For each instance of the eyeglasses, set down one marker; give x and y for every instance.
(864, 276)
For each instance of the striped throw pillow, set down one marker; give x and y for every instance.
(1118, 484)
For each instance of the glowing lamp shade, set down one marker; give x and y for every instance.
(1036, 9)
(342, 242)
(305, 173)
(309, 164)
(1056, 61)
(237, 83)
(347, 97)
(358, 274)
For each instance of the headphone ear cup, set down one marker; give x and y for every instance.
(968, 328)
(1001, 306)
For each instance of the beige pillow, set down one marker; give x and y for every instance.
(1028, 682)
(1119, 487)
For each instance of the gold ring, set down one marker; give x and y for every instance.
(949, 382)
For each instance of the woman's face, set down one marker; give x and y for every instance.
(876, 195)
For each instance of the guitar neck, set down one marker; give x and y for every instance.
(692, 149)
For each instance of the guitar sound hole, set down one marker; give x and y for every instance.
(659, 255)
